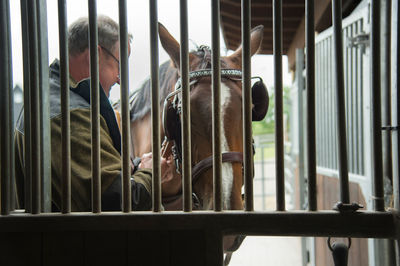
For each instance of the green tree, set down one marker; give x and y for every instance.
(267, 125)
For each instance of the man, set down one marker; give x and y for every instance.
(110, 138)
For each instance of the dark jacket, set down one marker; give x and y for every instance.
(81, 176)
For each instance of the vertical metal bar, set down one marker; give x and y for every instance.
(45, 150)
(325, 134)
(27, 106)
(340, 101)
(216, 108)
(395, 95)
(327, 100)
(310, 88)
(347, 95)
(350, 110)
(385, 92)
(279, 148)
(300, 115)
(354, 103)
(5, 107)
(330, 155)
(318, 94)
(357, 115)
(65, 115)
(155, 107)
(395, 69)
(360, 104)
(12, 194)
(186, 140)
(35, 109)
(246, 106)
(124, 77)
(94, 107)
(332, 108)
(379, 204)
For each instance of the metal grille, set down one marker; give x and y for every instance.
(213, 225)
(355, 90)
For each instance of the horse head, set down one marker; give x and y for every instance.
(201, 117)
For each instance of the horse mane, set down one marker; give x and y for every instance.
(141, 99)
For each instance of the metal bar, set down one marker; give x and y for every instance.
(340, 101)
(357, 103)
(345, 33)
(360, 104)
(324, 86)
(364, 224)
(331, 107)
(12, 204)
(279, 148)
(34, 108)
(354, 114)
(186, 139)
(310, 88)
(325, 101)
(328, 139)
(318, 95)
(45, 149)
(27, 106)
(94, 106)
(155, 107)
(377, 168)
(395, 69)
(300, 115)
(246, 106)
(5, 107)
(216, 108)
(385, 92)
(65, 115)
(124, 77)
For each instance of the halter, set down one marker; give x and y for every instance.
(206, 163)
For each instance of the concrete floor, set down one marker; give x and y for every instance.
(259, 250)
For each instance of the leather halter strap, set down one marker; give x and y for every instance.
(207, 163)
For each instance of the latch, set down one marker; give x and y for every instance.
(360, 40)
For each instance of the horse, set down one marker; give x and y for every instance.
(201, 118)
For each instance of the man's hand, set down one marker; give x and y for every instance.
(147, 161)
(171, 181)
(167, 169)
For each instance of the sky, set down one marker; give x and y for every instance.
(138, 24)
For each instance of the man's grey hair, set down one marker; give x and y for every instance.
(78, 34)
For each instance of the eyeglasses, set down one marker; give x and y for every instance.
(109, 52)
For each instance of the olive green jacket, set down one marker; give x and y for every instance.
(81, 175)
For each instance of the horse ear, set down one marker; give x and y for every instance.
(170, 45)
(256, 37)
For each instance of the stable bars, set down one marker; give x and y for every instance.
(35, 127)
